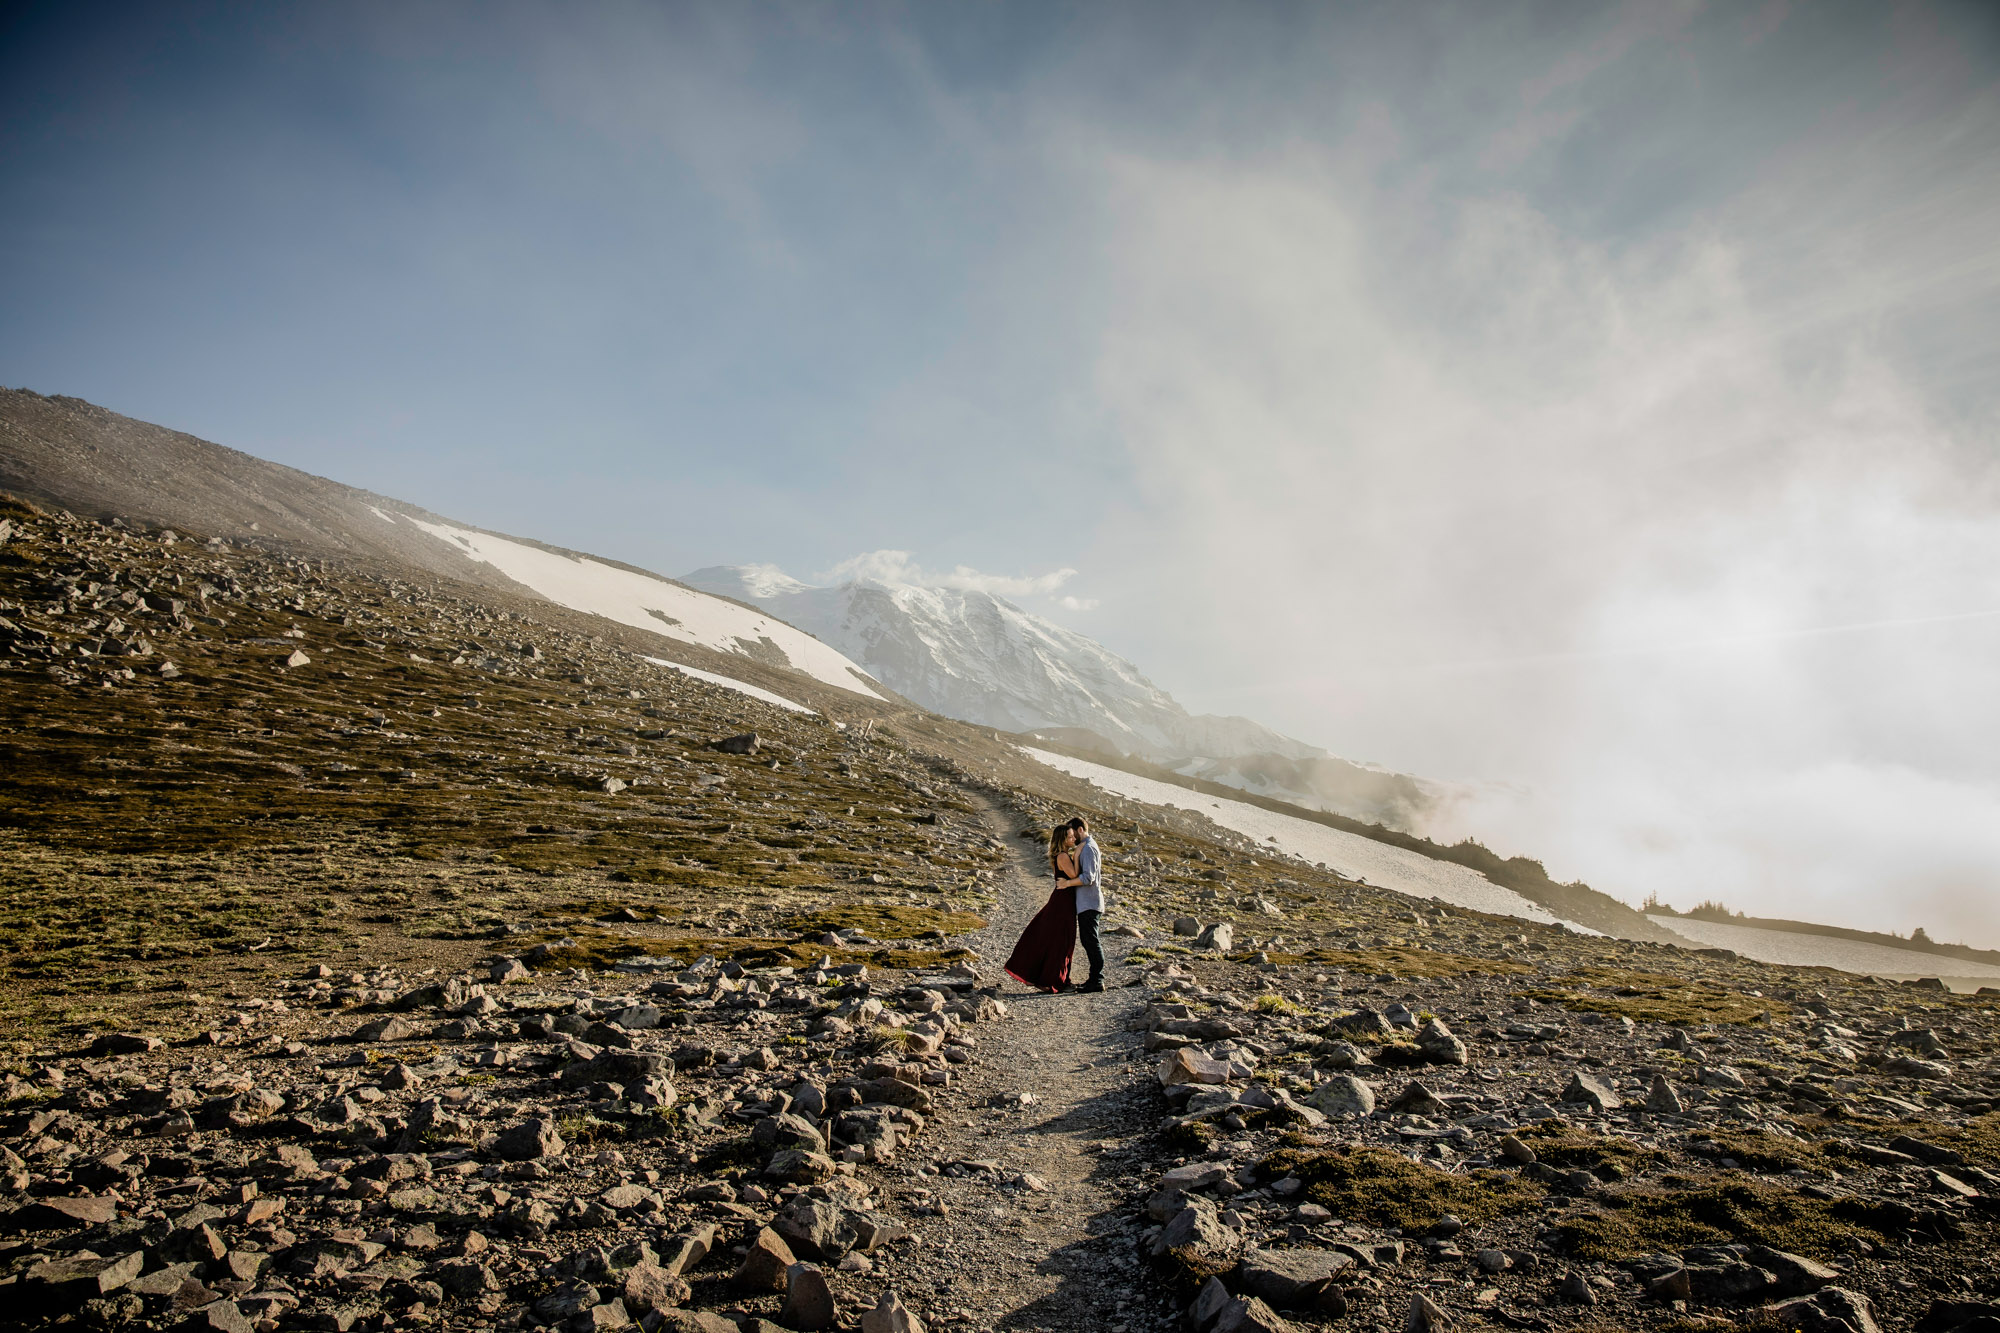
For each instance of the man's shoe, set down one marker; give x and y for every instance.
(1090, 987)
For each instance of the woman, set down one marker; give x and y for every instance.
(1041, 957)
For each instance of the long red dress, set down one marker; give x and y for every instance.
(1041, 956)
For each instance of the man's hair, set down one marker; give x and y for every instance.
(1079, 823)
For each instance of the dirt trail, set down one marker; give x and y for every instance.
(1051, 1253)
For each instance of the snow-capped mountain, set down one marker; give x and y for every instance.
(971, 655)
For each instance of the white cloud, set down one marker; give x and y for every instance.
(1438, 481)
(898, 567)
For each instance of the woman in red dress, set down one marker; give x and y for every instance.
(1041, 957)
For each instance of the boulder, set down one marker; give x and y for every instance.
(1191, 1066)
(527, 1141)
(1221, 937)
(766, 1263)
(1290, 1279)
(1586, 1090)
(1343, 1095)
(809, 1304)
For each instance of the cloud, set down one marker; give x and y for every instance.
(1685, 532)
(898, 567)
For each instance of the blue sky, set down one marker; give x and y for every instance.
(1532, 395)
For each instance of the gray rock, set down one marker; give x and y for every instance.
(766, 1263)
(1186, 925)
(1343, 1095)
(1290, 1279)
(1197, 1231)
(809, 1304)
(389, 1028)
(1572, 1289)
(1221, 937)
(890, 1315)
(1208, 1305)
(1661, 1099)
(1834, 1310)
(1587, 1090)
(799, 1166)
(1251, 1316)
(1723, 1077)
(1796, 1275)
(1438, 1044)
(1425, 1317)
(528, 1141)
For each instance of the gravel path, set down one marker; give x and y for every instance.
(1040, 1254)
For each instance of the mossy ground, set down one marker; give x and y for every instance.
(1649, 997)
(1651, 1219)
(1384, 1188)
(1572, 1148)
(401, 798)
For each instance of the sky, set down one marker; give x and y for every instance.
(1592, 406)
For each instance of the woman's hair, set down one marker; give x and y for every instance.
(1057, 837)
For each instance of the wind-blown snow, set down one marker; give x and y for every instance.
(1356, 857)
(649, 603)
(386, 518)
(728, 683)
(1794, 949)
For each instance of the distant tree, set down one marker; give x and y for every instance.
(1917, 936)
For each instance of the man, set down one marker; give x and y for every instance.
(1089, 902)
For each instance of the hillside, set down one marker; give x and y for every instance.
(379, 951)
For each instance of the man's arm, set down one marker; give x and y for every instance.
(1089, 864)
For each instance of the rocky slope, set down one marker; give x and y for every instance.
(76, 456)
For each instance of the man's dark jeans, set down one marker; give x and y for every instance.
(1086, 930)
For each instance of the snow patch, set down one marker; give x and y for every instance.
(386, 518)
(646, 602)
(729, 683)
(1377, 863)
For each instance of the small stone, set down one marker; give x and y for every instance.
(766, 1263)
(1574, 1290)
(809, 1305)
(529, 1140)
(1661, 1099)
(124, 1043)
(62, 1214)
(1588, 1091)
(1251, 1316)
(1514, 1150)
(1191, 1066)
(389, 1028)
(1343, 1095)
(649, 1287)
(1425, 1317)
(890, 1315)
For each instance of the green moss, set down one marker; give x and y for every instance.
(1768, 1152)
(1650, 1220)
(1649, 997)
(1569, 1147)
(1385, 1188)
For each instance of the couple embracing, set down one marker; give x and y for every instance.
(1042, 957)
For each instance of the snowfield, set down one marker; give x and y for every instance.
(1356, 857)
(1796, 950)
(645, 602)
(741, 687)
